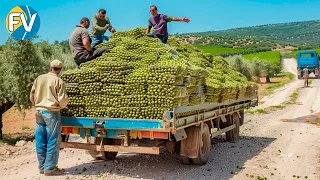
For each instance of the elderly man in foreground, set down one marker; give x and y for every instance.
(49, 96)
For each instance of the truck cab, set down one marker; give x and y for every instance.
(308, 58)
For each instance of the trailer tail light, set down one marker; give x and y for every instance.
(64, 130)
(70, 130)
(148, 135)
(75, 130)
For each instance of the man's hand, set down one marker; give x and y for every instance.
(106, 26)
(87, 44)
(186, 20)
(113, 30)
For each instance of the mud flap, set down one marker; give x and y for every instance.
(190, 145)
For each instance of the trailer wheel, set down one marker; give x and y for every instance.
(105, 155)
(186, 160)
(233, 134)
(204, 146)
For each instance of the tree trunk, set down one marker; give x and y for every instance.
(268, 79)
(3, 109)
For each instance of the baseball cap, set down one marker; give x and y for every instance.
(56, 64)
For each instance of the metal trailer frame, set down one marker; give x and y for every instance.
(170, 130)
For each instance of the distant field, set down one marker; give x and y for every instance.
(273, 57)
(294, 53)
(220, 50)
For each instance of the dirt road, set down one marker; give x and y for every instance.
(268, 148)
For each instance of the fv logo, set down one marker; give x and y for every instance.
(23, 22)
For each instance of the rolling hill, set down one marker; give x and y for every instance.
(295, 34)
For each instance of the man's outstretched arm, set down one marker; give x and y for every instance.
(181, 19)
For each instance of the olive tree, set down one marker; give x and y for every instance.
(241, 65)
(257, 68)
(20, 65)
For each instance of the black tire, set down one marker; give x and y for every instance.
(185, 160)
(233, 135)
(104, 155)
(204, 147)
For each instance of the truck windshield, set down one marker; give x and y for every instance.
(306, 55)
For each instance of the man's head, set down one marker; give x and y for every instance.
(154, 10)
(85, 22)
(56, 66)
(102, 14)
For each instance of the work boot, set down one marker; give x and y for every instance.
(56, 171)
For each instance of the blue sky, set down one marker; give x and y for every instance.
(59, 17)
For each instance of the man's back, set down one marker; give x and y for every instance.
(48, 93)
(75, 41)
(305, 72)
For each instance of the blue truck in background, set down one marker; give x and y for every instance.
(308, 58)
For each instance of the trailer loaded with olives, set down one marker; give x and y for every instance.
(146, 90)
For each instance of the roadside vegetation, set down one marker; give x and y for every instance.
(292, 100)
(21, 62)
(285, 79)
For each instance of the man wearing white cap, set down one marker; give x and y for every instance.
(49, 96)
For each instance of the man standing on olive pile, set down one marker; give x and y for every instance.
(100, 23)
(159, 23)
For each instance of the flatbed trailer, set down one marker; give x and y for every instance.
(189, 135)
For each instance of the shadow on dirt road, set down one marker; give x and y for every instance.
(225, 160)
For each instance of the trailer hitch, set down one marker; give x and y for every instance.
(99, 126)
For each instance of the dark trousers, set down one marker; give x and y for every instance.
(88, 56)
(163, 39)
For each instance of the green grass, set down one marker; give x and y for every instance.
(11, 141)
(288, 77)
(277, 107)
(293, 98)
(25, 128)
(272, 57)
(257, 111)
(220, 50)
(249, 121)
(294, 95)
